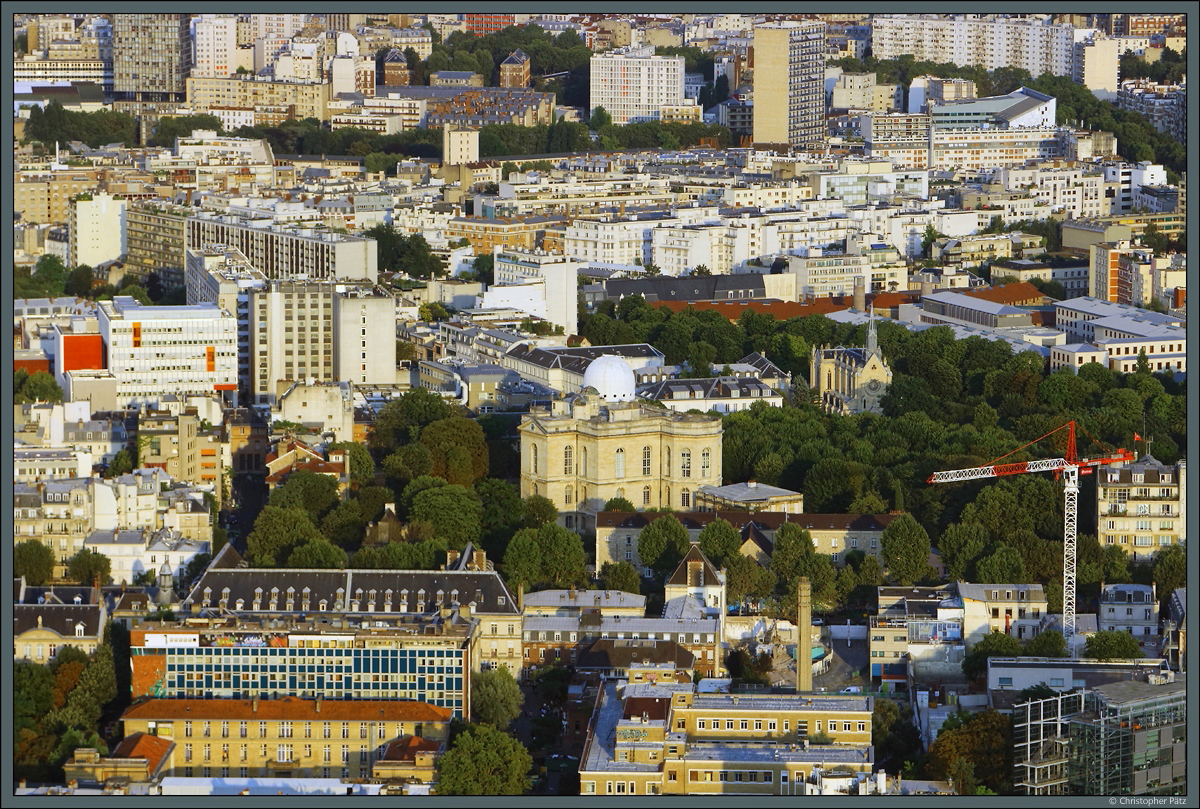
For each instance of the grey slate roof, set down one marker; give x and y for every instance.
(60, 618)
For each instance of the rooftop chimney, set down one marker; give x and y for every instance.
(804, 639)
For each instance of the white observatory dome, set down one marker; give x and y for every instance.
(612, 378)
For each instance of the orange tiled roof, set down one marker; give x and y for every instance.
(144, 745)
(294, 708)
(406, 748)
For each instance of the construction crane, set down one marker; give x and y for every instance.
(1070, 468)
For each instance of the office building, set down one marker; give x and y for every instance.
(789, 83)
(157, 350)
(1124, 738)
(632, 84)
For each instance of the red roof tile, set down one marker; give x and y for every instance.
(289, 708)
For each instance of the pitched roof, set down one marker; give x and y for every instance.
(60, 618)
(483, 587)
(405, 748)
(154, 749)
(694, 554)
(389, 710)
(608, 653)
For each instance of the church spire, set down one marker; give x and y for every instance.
(872, 337)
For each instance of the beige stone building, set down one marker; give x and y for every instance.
(664, 739)
(851, 380)
(290, 737)
(594, 446)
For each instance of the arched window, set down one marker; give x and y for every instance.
(535, 464)
(685, 463)
(667, 462)
(619, 464)
(568, 461)
(685, 498)
(569, 495)
(645, 460)
(705, 457)
(621, 493)
(583, 462)
(535, 491)
(667, 497)
(645, 495)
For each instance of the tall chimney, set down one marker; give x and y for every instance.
(804, 635)
(860, 295)
(521, 597)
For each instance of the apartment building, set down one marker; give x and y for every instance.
(215, 38)
(1014, 609)
(152, 59)
(914, 623)
(632, 84)
(45, 196)
(58, 512)
(514, 70)
(303, 99)
(289, 737)
(861, 91)
(97, 228)
(1038, 46)
(282, 252)
(157, 350)
(302, 330)
(1141, 507)
(155, 238)
(662, 739)
(789, 83)
(41, 631)
(222, 276)
(898, 137)
(1131, 608)
(1096, 65)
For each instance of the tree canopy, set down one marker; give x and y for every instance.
(1112, 644)
(662, 544)
(484, 761)
(496, 698)
(33, 560)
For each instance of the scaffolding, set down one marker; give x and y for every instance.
(1041, 740)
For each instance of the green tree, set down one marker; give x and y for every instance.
(719, 541)
(33, 560)
(1047, 644)
(747, 580)
(484, 761)
(996, 644)
(1112, 644)
(599, 119)
(443, 436)
(37, 387)
(961, 546)
(662, 544)
(79, 282)
(905, 550)
(1003, 566)
(496, 698)
(277, 531)
(311, 492)
(619, 504)
(362, 467)
(983, 742)
(400, 420)
(1170, 569)
(454, 511)
(121, 464)
(171, 127)
(88, 566)
(317, 554)
(538, 511)
(620, 576)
